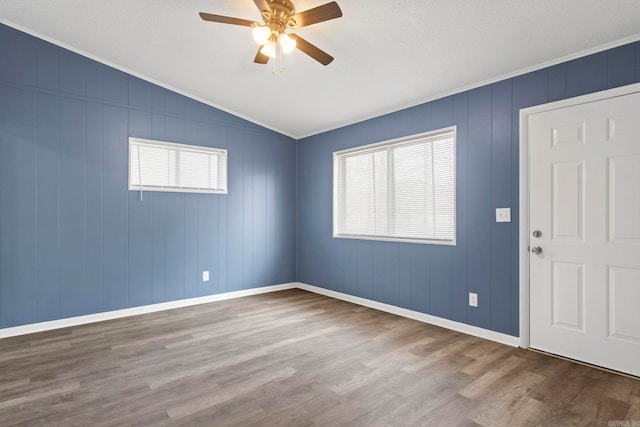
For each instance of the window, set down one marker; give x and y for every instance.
(401, 190)
(165, 166)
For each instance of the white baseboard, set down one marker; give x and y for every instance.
(416, 315)
(126, 312)
(117, 314)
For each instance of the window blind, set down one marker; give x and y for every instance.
(165, 166)
(397, 190)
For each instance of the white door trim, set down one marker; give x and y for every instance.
(524, 190)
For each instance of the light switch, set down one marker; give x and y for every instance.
(503, 214)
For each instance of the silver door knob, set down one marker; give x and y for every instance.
(536, 250)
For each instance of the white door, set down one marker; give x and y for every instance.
(584, 164)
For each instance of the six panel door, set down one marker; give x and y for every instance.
(585, 202)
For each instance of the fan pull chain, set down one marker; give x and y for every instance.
(279, 57)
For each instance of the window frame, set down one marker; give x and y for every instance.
(363, 149)
(180, 148)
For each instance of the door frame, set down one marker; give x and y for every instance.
(525, 313)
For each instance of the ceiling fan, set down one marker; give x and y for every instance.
(278, 17)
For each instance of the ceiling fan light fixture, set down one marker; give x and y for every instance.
(278, 17)
(287, 43)
(269, 49)
(261, 34)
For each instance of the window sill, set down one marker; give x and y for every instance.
(396, 239)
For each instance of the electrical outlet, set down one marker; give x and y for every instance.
(473, 299)
(503, 214)
(205, 276)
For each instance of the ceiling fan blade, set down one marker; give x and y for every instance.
(260, 57)
(262, 5)
(317, 14)
(227, 20)
(316, 53)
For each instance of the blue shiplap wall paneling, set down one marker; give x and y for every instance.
(159, 232)
(22, 49)
(75, 241)
(18, 202)
(175, 244)
(115, 203)
(587, 74)
(418, 263)
(247, 254)
(436, 279)
(637, 62)
(235, 270)
(191, 275)
(72, 74)
(48, 70)
(479, 216)
(94, 79)
(557, 88)
(94, 209)
(207, 257)
(500, 197)
(258, 204)
(141, 95)
(115, 85)
(47, 190)
(72, 193)
(620, 66)
(460, 285)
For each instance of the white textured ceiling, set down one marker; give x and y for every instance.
(389, 54)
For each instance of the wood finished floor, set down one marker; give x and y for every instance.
(294, 358)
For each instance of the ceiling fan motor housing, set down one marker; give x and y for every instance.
(279, 18)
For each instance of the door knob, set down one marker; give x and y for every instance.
(536, 250)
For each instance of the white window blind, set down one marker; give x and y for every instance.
(401, 190)
(165, 166)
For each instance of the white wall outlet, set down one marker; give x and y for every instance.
(473, 299)
(205, 276)
(503, 214)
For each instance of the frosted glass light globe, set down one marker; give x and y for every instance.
(269, 49)
(287, 43)
(261, 34)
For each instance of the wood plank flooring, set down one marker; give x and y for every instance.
(294, 358)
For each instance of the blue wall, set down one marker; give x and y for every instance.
(430, 278)
(75, 241)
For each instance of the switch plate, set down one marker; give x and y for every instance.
(503, 214)
(473, 299)
(205, 276)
